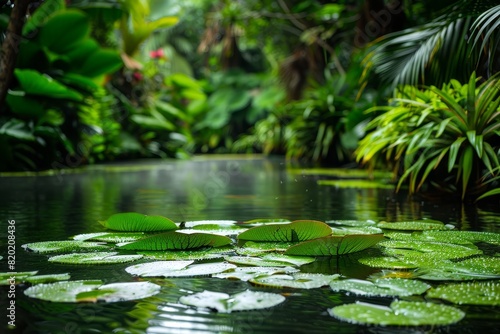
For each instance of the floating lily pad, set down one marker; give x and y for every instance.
(19, 277)
(177, 269)
(400, 313)
(92, 291)
(37, 279)
(296, 281)
(224, 303)
(64, 246)
(425, 252)
(247, 273)
(387, 262)
(94, 258)
(111, 237)
(219, 229)
(251, 248)
(351, 223)
(461, 237)
(202, 254)
(294, 260)
(255, 261)
(358, 184)
(474, 293)
(265, 221)
(177, 241)
(136, 222)
(356, 230)
(201, 223)
(296, 231)
(384, 287)
(416, 225)
(335, 245)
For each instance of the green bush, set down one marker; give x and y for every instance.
(447, 138)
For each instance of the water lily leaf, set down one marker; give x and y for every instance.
(201, 223)
(224, 303)
(117, 292)
(461, 237)
(416, 225)
(294, 260)
(255, 261)
(387, 263)
(474, 293)
(215, 229)
(37, 279)
(358, 184)
(427, 252)
(384, 287)
(335, 245)
(19, 277)
(251, 248)
(400, 313)
(247, 273)
(265, 221)
(356, 230)
(298, 230)
(92, 291)
(94, 258)
(351, 223)
(111, 237)
(64, 246)
(136, 222)
(296, 280)
(203, 254)
(171, 269)
(177, 241)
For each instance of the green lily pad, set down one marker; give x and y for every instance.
(92, 291)
(387, 263)
(265, 221)
(335, 245)
(427, 252)
(294, 260)
(358, 184)
(247, 273)
(356, 230)
(64, 246)
(211, 223)
(37, 279)
(461, 237)
(203, 254)
(416, 225)
(296, 280)
(224, 303)
(474, 293)
(177, 269)
(296, 231)
(177, 241)
(19, 277)
(251, 248)
(136, 222)
(110, 237)
(400, 313)
(255, 261)
(351, 223)
(94, 258)
(384, 287)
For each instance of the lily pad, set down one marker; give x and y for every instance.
(296, 281)
(202, 223)
(37, 279)
(247, 273)
(387, 262)
(427, 252)
(136, 222)
(400, 313)
(255, 261)
(335, 245)
(177, 241)
(224, 303)
(110, 237)
(474, 293)
(19, 277)
(296, 231)
(177, 269)
(202, 254)
(251, 248)
(351, 223)
(461, 237)
(384, 287)
(94, 258)
(64, 246)
(416, 225)
(356, 230)
(357, 184)
(265, 221)
(92, 291)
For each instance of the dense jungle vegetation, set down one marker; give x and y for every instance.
(410, 86)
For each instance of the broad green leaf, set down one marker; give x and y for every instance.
(298, 230)
(251, 248)
(295, 280)
(37, 279)
(111, 237)
(263, 221)
(64, 246)
(474, 293)
(136, 222)
(94, 258)
(42, 14)
(356, 230)
(92, 291)
(247, 273)
(100, 62)
(23, 105)
(335, 245)
(400, 313)
(203, 254)
(384, 287)
(460, 237)
(224, 303)
(351, 223)
(388, 263)
(180, 269)
(177, 241)
(63, 30)
(34, 83)
(416, 225)
(19, 277)
(415, 250)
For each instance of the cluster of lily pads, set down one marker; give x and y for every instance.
(414, 258)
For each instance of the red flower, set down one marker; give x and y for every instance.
(157, 54)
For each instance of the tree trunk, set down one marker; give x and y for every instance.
(10, 46)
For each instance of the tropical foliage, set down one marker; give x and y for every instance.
(448, 136)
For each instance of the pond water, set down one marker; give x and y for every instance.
(56, 207)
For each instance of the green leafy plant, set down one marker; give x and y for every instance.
(447, 136)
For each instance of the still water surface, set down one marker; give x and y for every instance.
(59, 206)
